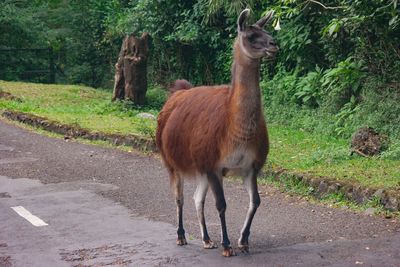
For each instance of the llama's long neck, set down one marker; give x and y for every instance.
(245, 98)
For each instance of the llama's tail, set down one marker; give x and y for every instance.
(180, 85)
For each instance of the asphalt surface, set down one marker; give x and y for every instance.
(105, 207)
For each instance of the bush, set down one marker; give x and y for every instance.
(379, 107)
(393, 152)
(308, 89)
(156, 97)
(342, 84)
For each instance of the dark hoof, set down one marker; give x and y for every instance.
(243, 245)
(181, 241)
(209, 244)
(244, 248)
(228, 252)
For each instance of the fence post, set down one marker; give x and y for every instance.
(52, 69)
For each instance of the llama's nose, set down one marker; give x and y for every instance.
(273, 46)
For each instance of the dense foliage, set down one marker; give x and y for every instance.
(339, 62)
(338, 66)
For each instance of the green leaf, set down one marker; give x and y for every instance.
(393, 20)
(333, 28)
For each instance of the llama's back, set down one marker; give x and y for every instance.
(190, 127)
(180, 85)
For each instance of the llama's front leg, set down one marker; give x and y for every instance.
(178, 182)
(199, 200)
(250, 182)
(216, 186)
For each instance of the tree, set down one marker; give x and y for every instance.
(131, 69)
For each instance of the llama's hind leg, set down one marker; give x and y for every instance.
(250, 181)
(199, 200)
(178, 189)
(215, 183)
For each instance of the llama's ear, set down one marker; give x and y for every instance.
(242, 19)
(266, 19)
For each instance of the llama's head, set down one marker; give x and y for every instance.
(254, 41)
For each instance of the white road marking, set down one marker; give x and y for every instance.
(36, 221)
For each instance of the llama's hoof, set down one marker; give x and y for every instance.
(209, 244)
(228, 252)
(243, 245)
(181, 241)
(244, 248)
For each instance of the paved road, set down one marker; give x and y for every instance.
(105, 207)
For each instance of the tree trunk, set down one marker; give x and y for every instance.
(131, 70)
(119, 80)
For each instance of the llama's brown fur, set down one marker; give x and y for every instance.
(197, 123)
(197, 128)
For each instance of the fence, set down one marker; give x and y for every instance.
(29, 64)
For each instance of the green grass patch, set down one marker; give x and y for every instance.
(83, 106)
(318, 155)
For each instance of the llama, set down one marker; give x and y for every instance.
(206, 131)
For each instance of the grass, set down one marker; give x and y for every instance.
(81, 106)
(294, 150)
(302, 152)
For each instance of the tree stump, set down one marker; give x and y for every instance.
(131, 69)
(367, 142)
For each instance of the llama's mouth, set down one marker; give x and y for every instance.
(271, 53)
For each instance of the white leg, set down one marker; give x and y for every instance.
(199, 200)
(250, 182)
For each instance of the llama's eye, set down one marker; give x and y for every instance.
(252, 38)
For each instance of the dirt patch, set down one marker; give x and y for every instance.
(72, 131)
(9, 96)
(114, 255)
(367, 142)
(118, 255)
(4, 195)
(5, 261)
